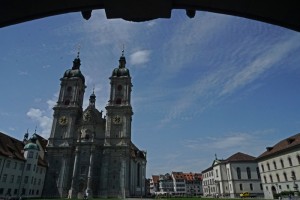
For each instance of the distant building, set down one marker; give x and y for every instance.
(154, 184)
(89, 152)
(232, 176)
(166, 184)
(179, 183)
(280, 167)
(22, 166)
(193, 183)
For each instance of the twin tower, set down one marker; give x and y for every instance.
(88, 152)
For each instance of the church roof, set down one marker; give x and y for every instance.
(240, 157)
(283, 145)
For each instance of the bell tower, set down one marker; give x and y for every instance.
(119, 110)
(68, 109)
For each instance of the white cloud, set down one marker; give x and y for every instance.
(23, 73)
(140, 57)
(44, 121)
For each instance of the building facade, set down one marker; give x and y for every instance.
(89, 153)
(280, 167)
(22, 166)
(232, 176)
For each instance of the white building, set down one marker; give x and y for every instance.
(232, 176)
(280, 167)
(22, 166)
(178, 183)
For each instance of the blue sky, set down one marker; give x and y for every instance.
(215, 84)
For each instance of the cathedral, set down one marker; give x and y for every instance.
(90, 152)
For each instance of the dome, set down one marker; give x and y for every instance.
(75, 71)
(121, 70)
(31, 146)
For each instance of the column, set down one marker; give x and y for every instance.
(72, 191)
(89, 181)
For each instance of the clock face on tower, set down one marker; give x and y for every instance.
(117, 119)
(63, 120)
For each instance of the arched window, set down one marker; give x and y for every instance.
(271, 178)
(282, 163)
(138, 174)
(118, 101)
(248, 172)
(285, 176)
(67, 102)
(278, 178)
(251, 186)
(298, 158)
(290, 161)
(257, 172)
(268, 165)
(293, 175)
(274, 163)
(238, 171)
(265, 179)
(262, 168)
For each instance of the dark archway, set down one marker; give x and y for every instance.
(283, 13)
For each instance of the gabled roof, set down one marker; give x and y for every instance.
(240, 157)
(11, 147)
(177, 175)
(283, 145)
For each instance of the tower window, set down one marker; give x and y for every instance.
(67, 102)
(69, 89)
(119, 87)
(118, 101)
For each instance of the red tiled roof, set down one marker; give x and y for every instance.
(11, 147)
(285, 144)
(155, 178)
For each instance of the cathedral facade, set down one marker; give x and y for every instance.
(89, 152)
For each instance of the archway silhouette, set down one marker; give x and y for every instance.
(282, 13)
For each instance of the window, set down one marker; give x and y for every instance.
(261, 187)
(19, 179)
(217, 174)
(287, 187)
(21, 166)
(82, 170)
(265, 179)
(257, 172)
(8, 164)
(274, 163)
(118, 101)
(26, 179)
(241, 187)
(285, 176)
(290, 161)
(67, 102)
(271, 178)
(262, 168)
(30, 154)
(119, 87)
(28, 167)
(15, 166)
(15, 191)
(34, 166)
(278, 178)
(248, 172)
(12, 177)
(238, 171)
(4, 178)
(268, 166)
(298, 158)
(251, 186)
(282, 163)
(1, 190)
(293, 175)
(228, 174)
